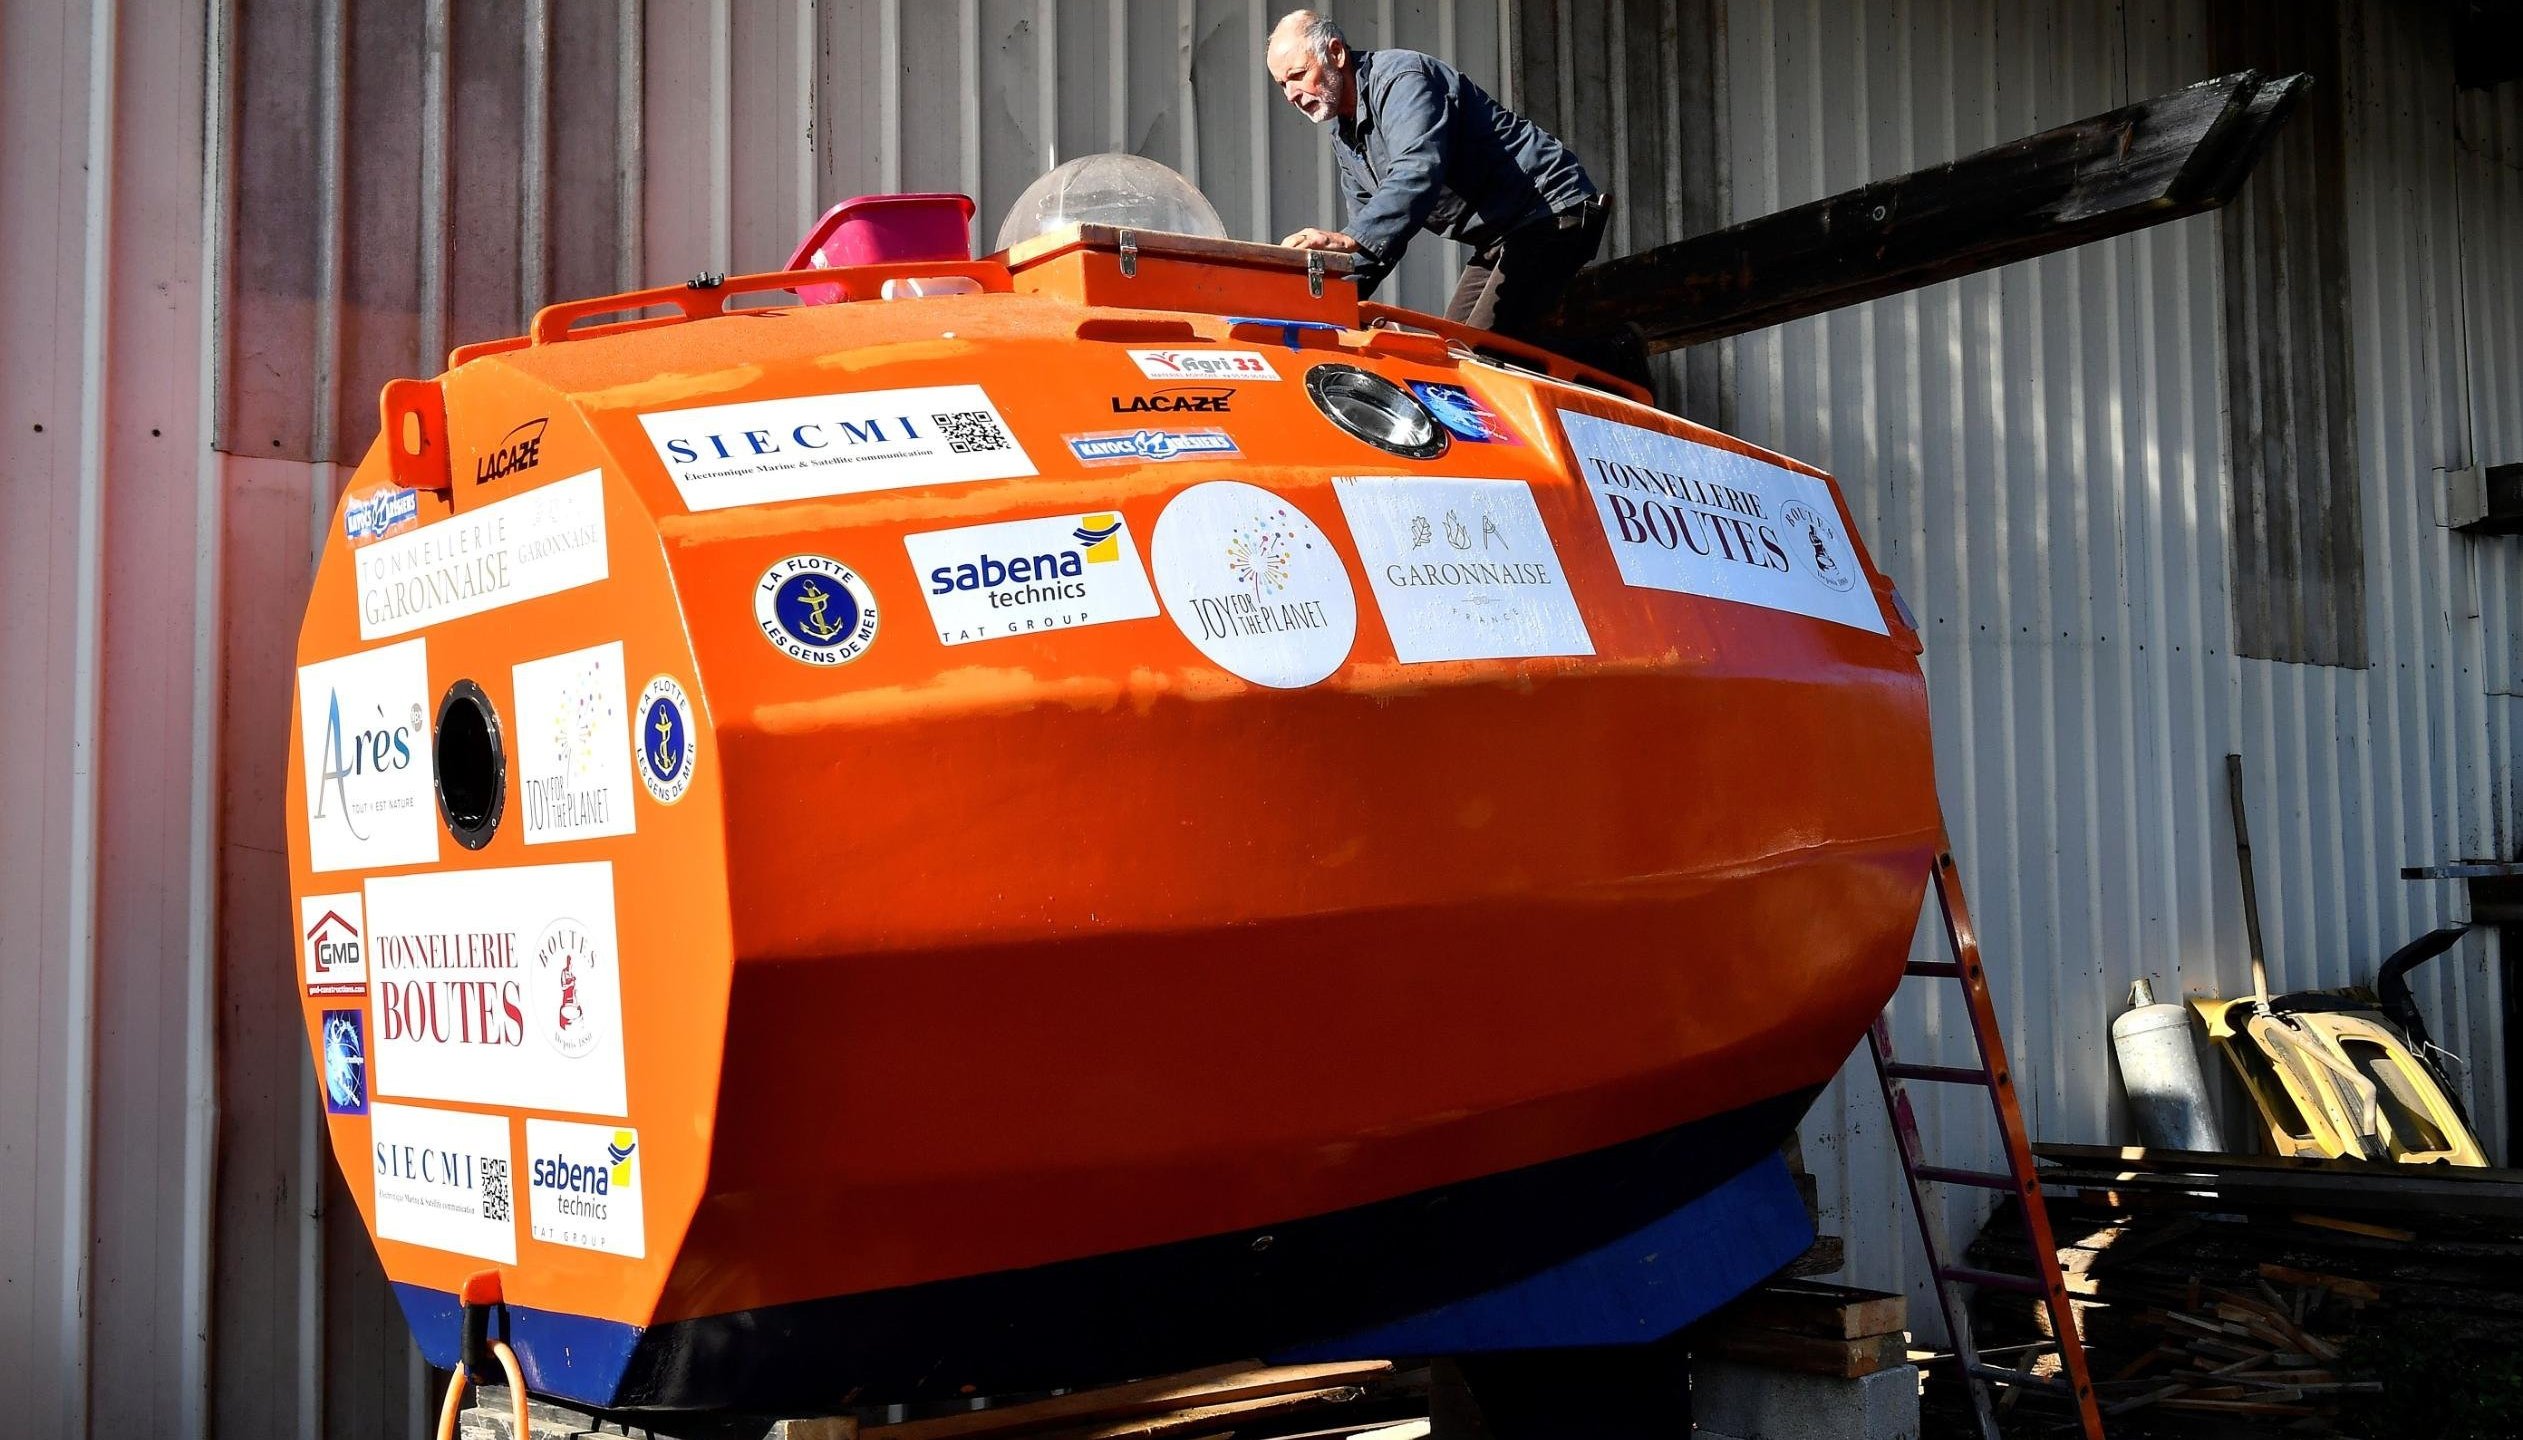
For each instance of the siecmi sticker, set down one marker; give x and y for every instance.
(442, 1180)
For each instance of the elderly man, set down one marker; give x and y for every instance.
(1423, 148)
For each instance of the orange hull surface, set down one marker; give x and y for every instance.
(836, 801)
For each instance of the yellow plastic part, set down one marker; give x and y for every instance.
(2340, 1085)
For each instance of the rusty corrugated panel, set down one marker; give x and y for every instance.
(2299, 536)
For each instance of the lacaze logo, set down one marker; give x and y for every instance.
(518, 451)
(1179, 400)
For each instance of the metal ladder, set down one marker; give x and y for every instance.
(1991, 1075)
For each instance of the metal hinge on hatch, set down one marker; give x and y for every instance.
(1314, 273)
(1129, 255)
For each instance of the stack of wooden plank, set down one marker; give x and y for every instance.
(2253, 1295)
(1811, 1327)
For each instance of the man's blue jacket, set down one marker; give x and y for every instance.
(1430, 150)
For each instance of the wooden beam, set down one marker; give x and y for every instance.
(2141, 165)
(2211, 1162)
(1201, 1390)
(1805, 1307)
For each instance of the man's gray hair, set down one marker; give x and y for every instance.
(1318, 32)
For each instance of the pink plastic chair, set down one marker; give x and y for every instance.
(883, 230)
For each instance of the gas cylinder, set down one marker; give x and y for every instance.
(2168, 1093)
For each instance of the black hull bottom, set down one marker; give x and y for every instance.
(1620, 1245)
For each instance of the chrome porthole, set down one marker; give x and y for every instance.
(1376, 410)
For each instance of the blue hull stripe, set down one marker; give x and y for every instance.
(1624, 1244)
(1641, 1287)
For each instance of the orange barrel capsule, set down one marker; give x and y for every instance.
(1037, 830)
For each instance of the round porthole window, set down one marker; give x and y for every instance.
(472, 770)
(1376, 410)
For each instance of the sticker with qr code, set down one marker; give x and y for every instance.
(443, 1180)
(757, 452)
(494, 1189)
(969, 432)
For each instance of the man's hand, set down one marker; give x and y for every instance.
(1312, 239)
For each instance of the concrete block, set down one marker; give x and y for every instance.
(1734, 1401)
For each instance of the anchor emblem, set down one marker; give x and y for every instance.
(663, 756)
(816, 622)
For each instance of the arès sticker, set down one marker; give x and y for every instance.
(1700, 520)
(498, 987)
(1463, 569)
(573, 762)
(1254, 584)
(442, 1180)
(667, 745)
(545, 541)
(363, 734)
(758, 451)
(1229, 365)
(332, 944)
(815, 609)
(583, 1187)
(1024, 577)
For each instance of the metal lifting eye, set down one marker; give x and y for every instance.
(472, 770)
(1376, 410)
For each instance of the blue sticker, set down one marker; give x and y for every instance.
(380, 513)
(1461, 411)
(815, 609)
(1126, 447)
(345, 1062)
(664, 740)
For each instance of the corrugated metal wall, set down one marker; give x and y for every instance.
(347, 187)
(2038, 456)
(350, 187)
(109, 518)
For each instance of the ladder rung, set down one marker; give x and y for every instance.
(1942, 1074)
(1992, 1280)
(1936, 968)
(2018, 1377)
(1986, 1180)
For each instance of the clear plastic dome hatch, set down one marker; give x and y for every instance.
(1123, 190)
